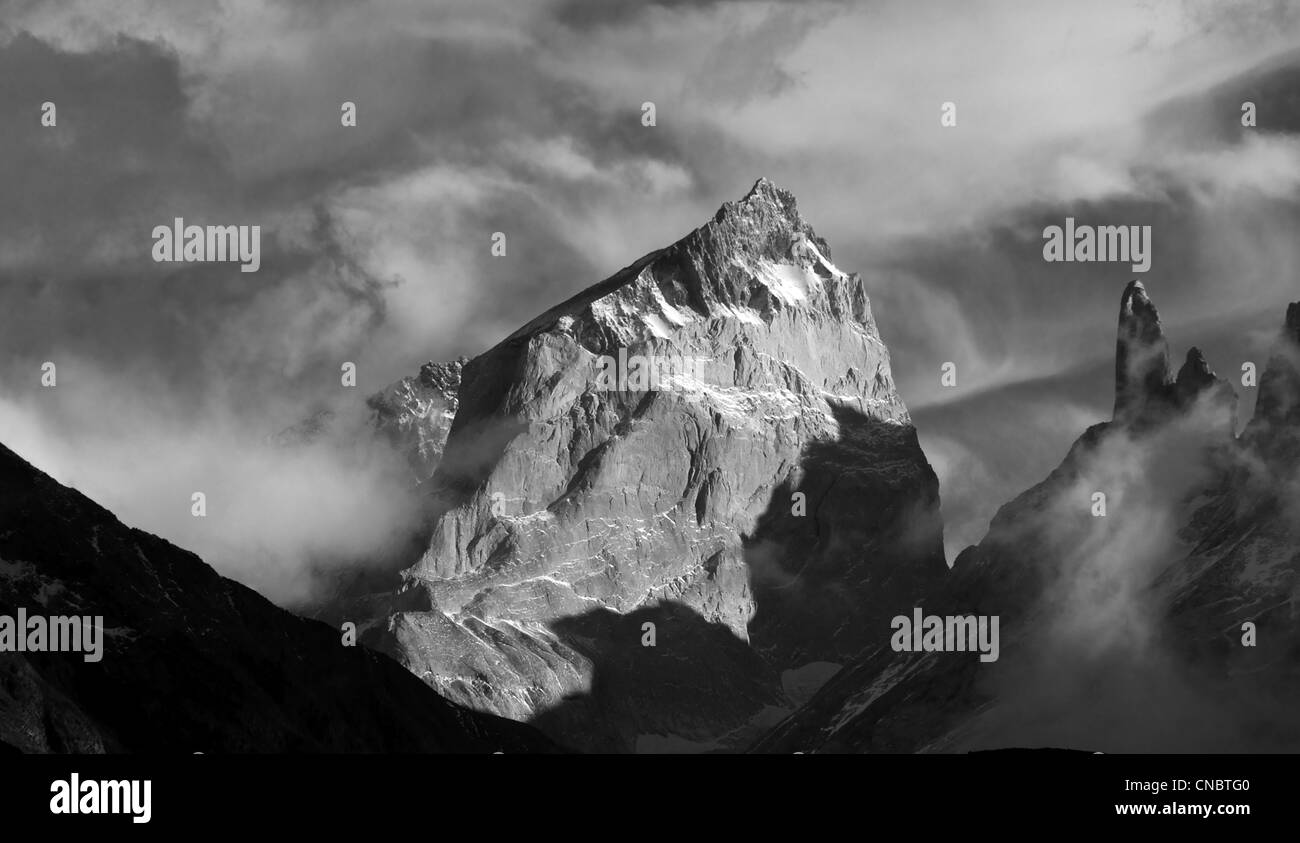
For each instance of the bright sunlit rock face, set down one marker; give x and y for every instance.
(561, 505)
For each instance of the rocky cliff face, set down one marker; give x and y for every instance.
(632, 562)
(415, 414)
(1277, 410)
(1146, 393)
(192, 662)
(1122, 627)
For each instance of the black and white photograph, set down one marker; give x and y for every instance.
(910, 383)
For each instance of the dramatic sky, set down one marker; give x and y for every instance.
(476, 116)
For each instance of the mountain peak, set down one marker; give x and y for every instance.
(1146, 392)
(1196, 379)
(1279, 386)
(764, 215)
(576, 496)
(1136, 306)
(767, 189)
(756, 257)
(1196, 368)
(1141, 353)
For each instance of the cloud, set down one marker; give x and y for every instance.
(585, 15)
(1099, 666)
(279, 519)
(980, 467)
(1261, 167)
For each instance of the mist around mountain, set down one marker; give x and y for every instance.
(670, 565)
(546, 557)
(1166, 624)
(682, 512)
(188, 661)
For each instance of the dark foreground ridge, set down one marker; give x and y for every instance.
(192, 662)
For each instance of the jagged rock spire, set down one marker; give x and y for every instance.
(1279, 386)
(1145, 390)
(1194, 376)
(1141, 354)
